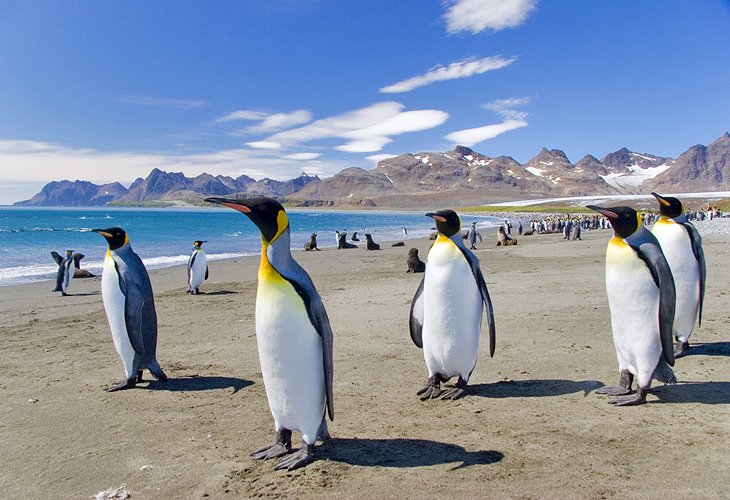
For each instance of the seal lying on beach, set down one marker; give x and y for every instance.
(398, 244)
(371, 245)
(503, 239)
(312, 243)
(342, 242)
(415, 264)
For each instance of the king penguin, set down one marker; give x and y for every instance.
(682, 246)
(293, 335)
(66, 268)
(197, 268)
(641, 298)
(446, 312)
(130, 309)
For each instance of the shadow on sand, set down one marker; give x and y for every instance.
(533, 388)
(218, 292)
(707, 349)
(709, 393)
(199, 383)
(401, 453)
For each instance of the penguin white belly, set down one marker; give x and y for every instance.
(677, 249)
(633, 299)
(114, 301)
(452, 313)
(197, 270)
(68, 275)
(290, 351)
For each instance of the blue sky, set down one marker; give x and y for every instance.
(105, 91)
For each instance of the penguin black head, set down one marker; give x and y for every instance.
(198, 243)
(267, 213)
(447, 221)
(669, 206)
(115, 236)
(624, 220)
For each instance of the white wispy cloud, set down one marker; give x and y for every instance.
(475, 16)
(243, 114)
(268, 122)
(367, 129)
(163, 103)
(302, 156)
(458, 69)
(505, 108)
(378, 158)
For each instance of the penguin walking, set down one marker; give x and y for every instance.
(293, 335)
(446, 312)
(682, 246)
(197, 268)
(641, 298)
(66, 268)
(130, 309)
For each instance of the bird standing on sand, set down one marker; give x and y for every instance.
(197, 268)
(682, 246)
(130, 309)
(293, 335)
(446, 312)
(66, 268)
(641, 298)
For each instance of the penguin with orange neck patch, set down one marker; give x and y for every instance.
(293, 335)
(446, 312)
(641, 298)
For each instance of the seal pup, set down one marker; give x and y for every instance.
(641, 298)
(371, 245)
(197, 268)
(130, 309)
(503, 239)
(66, 269)
(342, 243)
(446, 311)
(354, 237)
(682, 246)
(398, 244)
(293, 335)
(415, 264)
(312, 243)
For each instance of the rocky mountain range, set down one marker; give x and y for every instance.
(461, 176)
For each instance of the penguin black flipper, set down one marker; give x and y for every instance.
(415, 321)
(139, 309)
(647, 248)
(304, 286)
(56, 257)
(696, 240)
(206, 272)
(479, 277)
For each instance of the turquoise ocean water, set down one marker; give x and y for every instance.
(164, 237)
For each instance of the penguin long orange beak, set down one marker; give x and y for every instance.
(230, 203)
(608, 213)
(436, 217)
(102, 232)
(660, 199)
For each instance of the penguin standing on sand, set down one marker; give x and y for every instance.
(293, 335)
(641, 298)
(446, 312)
(682, 246)
(130, 309)
(197, 268)
(66, 268)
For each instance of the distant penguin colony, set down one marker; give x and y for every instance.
(294, 338)
(197, 268)
(446, 311)
(66, 268)
(130, 308)
(641, 298)
(682, 246)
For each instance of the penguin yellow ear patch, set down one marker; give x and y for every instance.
(282, 222)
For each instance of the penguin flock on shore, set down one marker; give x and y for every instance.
(655, 284)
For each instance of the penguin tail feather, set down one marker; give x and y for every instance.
(664, 373)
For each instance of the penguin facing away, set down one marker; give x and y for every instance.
(130, 309)
(641, 299)
(66, 267)
(294, 338)
(446, 311)
(197, 268)
(682, 246)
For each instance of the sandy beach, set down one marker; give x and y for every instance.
(531, 425)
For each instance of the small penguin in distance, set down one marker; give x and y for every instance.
(66, 268)
(641, 299)
(294, 338)
(446, 311)
(682, 246)
(130, 309)
(197, 268)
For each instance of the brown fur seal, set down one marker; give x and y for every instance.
(398, 244)
(415, 265)
(503, 239)
(312, 243)
(342, 242)
(529, 232)
(371, 245)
